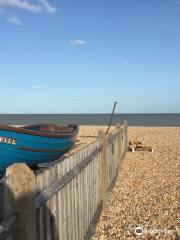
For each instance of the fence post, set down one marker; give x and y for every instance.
(118, 127)
(126, 134)
(21, 187)
(103, 169)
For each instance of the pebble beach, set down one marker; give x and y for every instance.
(144, 201)
(87, 135)
(145, 194)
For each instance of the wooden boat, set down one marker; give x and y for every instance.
(35, 144)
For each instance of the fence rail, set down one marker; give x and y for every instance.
(65, 200)
(57, 185)
(7, 226)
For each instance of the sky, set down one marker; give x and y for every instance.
(76, 56)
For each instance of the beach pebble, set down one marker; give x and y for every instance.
(145, 194)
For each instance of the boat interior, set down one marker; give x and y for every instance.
(50, 128)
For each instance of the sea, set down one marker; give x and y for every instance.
(170, 120)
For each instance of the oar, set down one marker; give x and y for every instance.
(111, 118)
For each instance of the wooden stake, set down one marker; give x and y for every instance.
(111, 117)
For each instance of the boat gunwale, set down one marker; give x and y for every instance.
(42, 150)
(42, 134)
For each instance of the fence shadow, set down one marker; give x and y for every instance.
(18, 216)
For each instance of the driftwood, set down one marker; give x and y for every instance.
(138, 146)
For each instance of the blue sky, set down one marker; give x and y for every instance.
(67, 56)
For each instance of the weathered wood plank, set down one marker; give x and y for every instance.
(76, 202)
(60, 204)
(47, 230)
(40, 211)
(93, 223)
(1, 199)
(53, 207)
(64, 206)
(126, 134)
(53, 188)
(73, 203)
(7, 226)
(103, 169)
(85, 194)
(94, 188)
(7, 199)
(22, 188)
(80, 201)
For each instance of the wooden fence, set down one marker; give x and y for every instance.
(64, 201)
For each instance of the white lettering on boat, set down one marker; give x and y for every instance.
(7, 140)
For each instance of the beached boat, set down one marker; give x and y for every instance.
(34, 144)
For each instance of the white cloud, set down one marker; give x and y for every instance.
(43, 5)
(15, 20)
(39, 88)
(49, 8)
(77, 42)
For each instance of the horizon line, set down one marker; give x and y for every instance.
(81, 113)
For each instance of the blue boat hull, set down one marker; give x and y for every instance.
(31, 149)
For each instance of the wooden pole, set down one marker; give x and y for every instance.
(118, 127)
(103, 169)
(20, 187)
(126, 134)
(111, 117)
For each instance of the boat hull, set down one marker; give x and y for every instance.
(31, 149)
